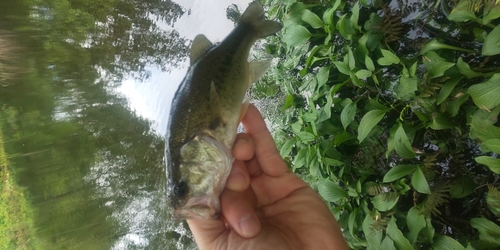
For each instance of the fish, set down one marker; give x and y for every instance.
(205, 113)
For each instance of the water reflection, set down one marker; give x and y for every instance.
(90, 171)
(152, 98)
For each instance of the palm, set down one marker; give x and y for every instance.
(292, 222)
(283, 211)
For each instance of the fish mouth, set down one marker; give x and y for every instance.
(201, 207)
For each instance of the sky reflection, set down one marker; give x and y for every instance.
(152, 98)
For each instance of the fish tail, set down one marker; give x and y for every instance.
(254, 15)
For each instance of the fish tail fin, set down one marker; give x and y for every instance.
(254, 15)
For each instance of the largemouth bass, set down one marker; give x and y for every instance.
(205, 114)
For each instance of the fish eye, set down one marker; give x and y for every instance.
(181, 189)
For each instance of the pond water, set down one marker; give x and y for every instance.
(85, 90)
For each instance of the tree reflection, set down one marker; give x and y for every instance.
(93, 169)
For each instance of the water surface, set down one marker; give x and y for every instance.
(85, 90)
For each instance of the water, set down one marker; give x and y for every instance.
(152, 98)
(83, 108)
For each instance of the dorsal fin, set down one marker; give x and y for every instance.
(199, 46)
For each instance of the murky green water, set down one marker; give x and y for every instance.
(92, 170)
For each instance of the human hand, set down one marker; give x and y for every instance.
(264, 205)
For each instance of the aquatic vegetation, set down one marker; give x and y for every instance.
(390, 110)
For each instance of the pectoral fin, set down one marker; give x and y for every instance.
(214, 102)
(257, 70)
(243, 110)
(199, 46)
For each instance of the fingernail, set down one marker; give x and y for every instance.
(240, 141)
(249, 226)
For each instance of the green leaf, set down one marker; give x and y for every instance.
(296, 35)
(330, 191)
(447, 89)
(416, 222)
(401, 186)
(440, 121)
(312, 19)
(343, 68)
(493, 145)
(397, 172)
(322, 76)
(300, 159)
(355, 80)
(312, 162)
(462, 12)
(491, 12)
(482, 125)
(462, 187)
(309, 117)
(388, 58)
(429, 230)
(454, 105)
(369, 63)
(355, 16)
(436, 45)
(332, 162)
(465, 70)
(369, 121)
(435, 64)
(387, 244)
(419, 182)
(488, 230)
(363, 73)
(351, 61)
(402, 144)
(340, 138)
(485, 95)
(329, 100)
(406, 87)
(480, 34)
(348, 114)
(492, 43)
(372, 234)
(345, 27)
(385, 201)
(306, 136)
(492, 163)
(352, 221)
(328, 18)
(287, 147)
(493, 200)
(288, 103)
(413, 69)
(396, 235)
(443, 242)
(296, 127)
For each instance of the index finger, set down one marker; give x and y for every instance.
(266, 152)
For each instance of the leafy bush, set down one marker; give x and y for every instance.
(390, 111)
